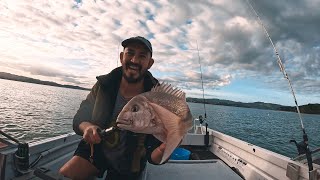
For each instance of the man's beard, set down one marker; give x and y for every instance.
(131, 79)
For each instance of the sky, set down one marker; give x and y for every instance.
(73, 41)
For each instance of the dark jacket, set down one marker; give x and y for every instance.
(98, 107)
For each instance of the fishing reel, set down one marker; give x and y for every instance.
(103, 133)
(200, 119)
(301, 146)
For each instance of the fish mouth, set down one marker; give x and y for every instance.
(124, 121)
(124, 124)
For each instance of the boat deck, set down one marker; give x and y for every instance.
(203, 164)
(190, 170)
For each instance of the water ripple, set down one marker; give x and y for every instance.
(271, 130)
(32, 112)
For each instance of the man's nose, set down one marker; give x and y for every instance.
(135, 59)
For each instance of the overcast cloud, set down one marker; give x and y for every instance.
(71, 42)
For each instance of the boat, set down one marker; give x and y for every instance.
(213, 155)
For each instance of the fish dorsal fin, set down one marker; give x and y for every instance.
(169, 89)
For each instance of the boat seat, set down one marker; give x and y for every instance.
(190, 170)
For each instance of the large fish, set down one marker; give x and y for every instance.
(162, 112)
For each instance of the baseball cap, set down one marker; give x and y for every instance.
(140, 39)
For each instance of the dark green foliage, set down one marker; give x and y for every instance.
(13, 77)
(309, 108)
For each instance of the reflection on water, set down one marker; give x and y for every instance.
(32, 112)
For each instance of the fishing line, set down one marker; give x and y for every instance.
(282, 69)
(281, 66)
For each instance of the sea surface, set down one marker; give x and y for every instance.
(31, 112)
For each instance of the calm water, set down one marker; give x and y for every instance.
(30, 112)
(271, 130)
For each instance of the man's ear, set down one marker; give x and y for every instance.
(150, 63)
(121, 57)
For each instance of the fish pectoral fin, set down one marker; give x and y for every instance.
(173, 140)
(160, 136)
(172, 124)
(169, 119)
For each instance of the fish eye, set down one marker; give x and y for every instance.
(135, 108)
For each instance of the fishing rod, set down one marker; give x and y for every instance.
(206, 137)
(303, 147)
(204, 104)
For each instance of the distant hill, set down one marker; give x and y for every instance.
(308, 109)
(13, 77)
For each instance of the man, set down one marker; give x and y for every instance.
(123, 154)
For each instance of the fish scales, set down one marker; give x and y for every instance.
(168, 101)
(162, 112)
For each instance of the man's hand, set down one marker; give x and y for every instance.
(157, 153)
(90, 133)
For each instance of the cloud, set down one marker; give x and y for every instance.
(74, 41)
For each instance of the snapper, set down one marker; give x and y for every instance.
(162, 112)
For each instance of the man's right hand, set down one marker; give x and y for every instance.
(90, 133)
